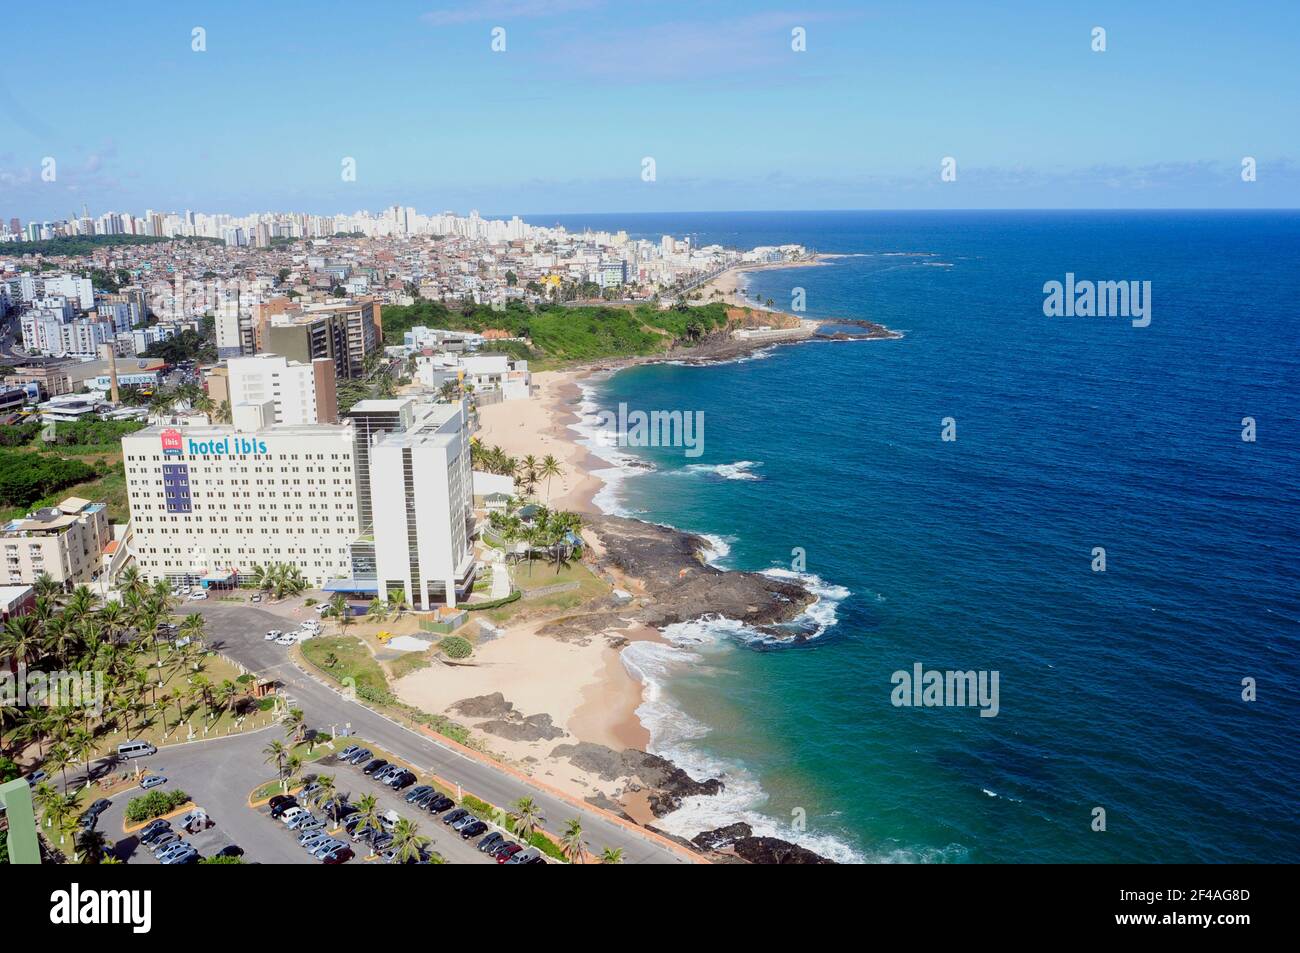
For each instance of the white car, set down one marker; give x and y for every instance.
(305, 634)
(322, 607)
(198, 595)
(285, 640)
(273, 635)
(290, 814)
(311, 625)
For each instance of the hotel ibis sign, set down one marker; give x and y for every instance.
(173, 442)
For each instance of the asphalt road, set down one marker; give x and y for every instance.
(218, 775)
(238, 631)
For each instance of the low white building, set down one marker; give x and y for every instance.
(484, 371)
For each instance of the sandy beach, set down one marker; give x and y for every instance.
(729, 286)
(579, 683)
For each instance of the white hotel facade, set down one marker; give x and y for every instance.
(210, 502)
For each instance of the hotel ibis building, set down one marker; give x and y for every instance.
(381, 503)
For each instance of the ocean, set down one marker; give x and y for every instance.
(1121, 732)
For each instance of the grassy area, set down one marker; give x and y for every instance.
(565, 333)
(351, 659)
(109, 488)
(343, 657)
(178, 680)
(543, 574)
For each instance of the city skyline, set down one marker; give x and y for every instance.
(862, 117)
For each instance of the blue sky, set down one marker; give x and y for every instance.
(733, 117)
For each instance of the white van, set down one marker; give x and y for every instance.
(135, 749)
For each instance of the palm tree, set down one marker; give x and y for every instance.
(326, 792)
(192, 627)
(295, 724)
(550, 467)
(276, 754)
(571, 841)
(528, 817)
(131, 580)
(368, 813)
(292, 768)
(408, 843)
(611, 855)
(377, 610)
(20, 639)
(397, 602)
(340, 609)
(529, 473)
(91, 845)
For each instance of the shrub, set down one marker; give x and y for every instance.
(495, 603)
(456, 647)
(154, 804)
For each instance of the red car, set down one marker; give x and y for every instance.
(506, 852)
(340, 856)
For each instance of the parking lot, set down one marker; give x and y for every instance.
(218, 776)
(353, 784)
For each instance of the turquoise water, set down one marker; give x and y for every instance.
(1119, 690)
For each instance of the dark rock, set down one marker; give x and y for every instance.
(773, 850)
(722, 836)
(667, 783)
(531, 728)
(484, 706)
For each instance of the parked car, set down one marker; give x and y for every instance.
(257, 597)
(382, 843)
(339, 855)
(272, 635)
(504, 853)
(285, 640)
(439, 804)
(374, 766)
(348, 752)
(35, 778)
(135, 749)
(384, 773)
(451, 817)
(286, 805)
(301, 820)
(327, 847)
(310, 842)
(417, 792)
(154, 827)
(174, 847)
(525, 857)
(162, 840)
(151, 781)
(401, 780)
(288, 815)
(473, 830)
(365, 754)
(230, 850)
(191, 817)
(198, 595)
(491, 842)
